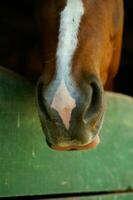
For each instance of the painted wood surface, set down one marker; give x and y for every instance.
(29, 167)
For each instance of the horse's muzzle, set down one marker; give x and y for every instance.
(83, 121)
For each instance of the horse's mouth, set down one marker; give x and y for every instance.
(65, 147)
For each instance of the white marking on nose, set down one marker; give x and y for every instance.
(70, 19)
(63, 103)
(68, 35)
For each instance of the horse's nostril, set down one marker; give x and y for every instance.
(95, 104)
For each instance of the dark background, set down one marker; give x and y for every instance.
(124, 78)
(18, 24)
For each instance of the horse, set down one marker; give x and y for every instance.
(81, 47)
(76, 62)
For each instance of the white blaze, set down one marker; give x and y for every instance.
(68, 32)
(70, 20)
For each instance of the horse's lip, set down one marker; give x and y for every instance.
(90, 145)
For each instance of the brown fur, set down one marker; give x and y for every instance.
(100, 39)
(99, 42)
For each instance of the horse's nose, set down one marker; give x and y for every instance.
(71, 118)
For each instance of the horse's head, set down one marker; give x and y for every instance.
(77, 50)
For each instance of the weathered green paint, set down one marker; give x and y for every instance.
(28, 166)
